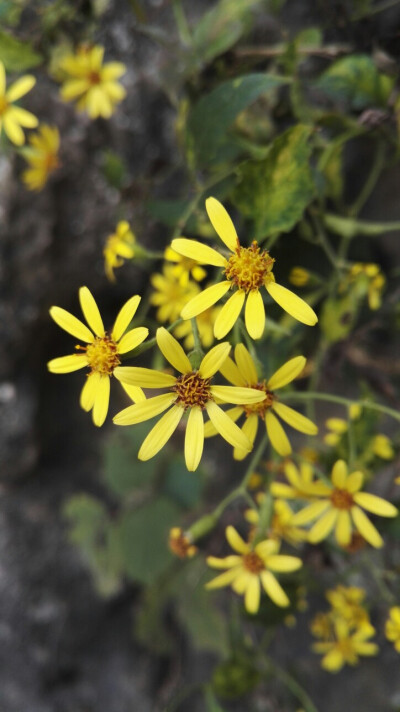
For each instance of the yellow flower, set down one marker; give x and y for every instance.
(41, 156)
(321, 626)
(180, 544)
(12, 117)
(244, 373)
(346, 645)
(102, 352)
(341, 506)
(184, 267)
(281, 526)
(91, 83)
(170, 295)
(205, 324)
(191, 391)
(347, 602)
(299, 479)
(118, 248)
(368, 279)
(382, 447)
(299, 276)
(252, 568)
(247, 270)
(337, 427)
(392, 627)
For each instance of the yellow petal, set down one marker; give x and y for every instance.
(343, 528)
(282, 563)
(286, 373)
(231, 372)
(209, 428)
(194, 439)
(292, 304)
(161, 433)
(226, 563)
(88, 393)
(23, 118)
(229, 314)
(366, 528)
(71, 324)
(197, 251)
(294, 419)
(312, 511)
(204, 300)
(13, 129)
(173, 351)
(91, 311)
(339, 474)
(132, 339)
(323, 527)
(277, 435)
(226, 427)
(237, 394)
(252, 595)
(73, 88)
(212, 361)
(134, 392)
(2, 79)
(375, 504)
(67, 364)
(222, 223)
(223, 579)
(246, 365)
(124, 317)
(273, 589)
(144, 377)
(20, 87)
(249, 428)
(101, 401)
(254, 315)
(235, 541)
(144, 409)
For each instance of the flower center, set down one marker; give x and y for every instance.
(341, 499)
(51, 162)
(253, 563)
(262, 407)
(249, 268)
(192, 390)
(94, 77)
(102, 355)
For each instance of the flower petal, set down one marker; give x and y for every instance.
(343, 528)
(226, 427)
(91, 311)
(339, 474)
(366, 528)
(88, 393)
(132, 339)
(20, 87)
(249, 428)
(71, 324)
(223, 579)
(222, 223)
(354, 481)
(2, 79)
(283, 563)
(375, 504)
(161, 433)
(144, 377)
(246, 365)
(286, 373)
(212, 361)
(194, 439)
(144, 409)
(292, 304)
(209, 428)
(294, 419)
(134, 392)
(67, 364)
(13, 129)
(173, 351)
(229, 314)
(205, 300)
(235, 541)
(125, 316)
(312, 511)
(277, 435)
(226, 563)
(254, 315)
(23, 117)
(231, 372)
(273, 589)
(101, 401)
(197, 251)
(252, 595)
(323, 527)
(237, 394)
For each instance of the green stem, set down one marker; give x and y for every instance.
(196, 336)
(349, 227)
(295, 688)
(372, 179)
(375, 10)
(181, 23)
(310, 395)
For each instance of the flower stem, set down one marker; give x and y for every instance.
(310, 395)
(295, 688)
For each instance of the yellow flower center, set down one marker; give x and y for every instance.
(341, 499)
(253, 563)
(94, 78)
(102, 355)
(249, 267)
(262, 407)
(192, 390)
(3, 105)
(51, 161)
(180, 545)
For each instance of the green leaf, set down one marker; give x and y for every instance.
(17, 56)
(114, 169)
(182, 486)
(212, 704)
(338, 317)
(275, 192)
(215, 113)
(144, 539)
(122, 471)
(356, 82)
(149, 627)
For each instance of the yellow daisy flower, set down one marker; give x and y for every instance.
(184, 267)
(367, 277)
(191, 391)
(346, 645)
(347, 602)
(244, 373)
(392, 627)
(181, 544)
(281, 527)
(91, 83)
(12, 117)
(170, 294)
(102, 352)
(341, 506)
(118, 248)
(205, 324)
(252, 568)
(41, 156)
(299, 479)
(246, 271)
